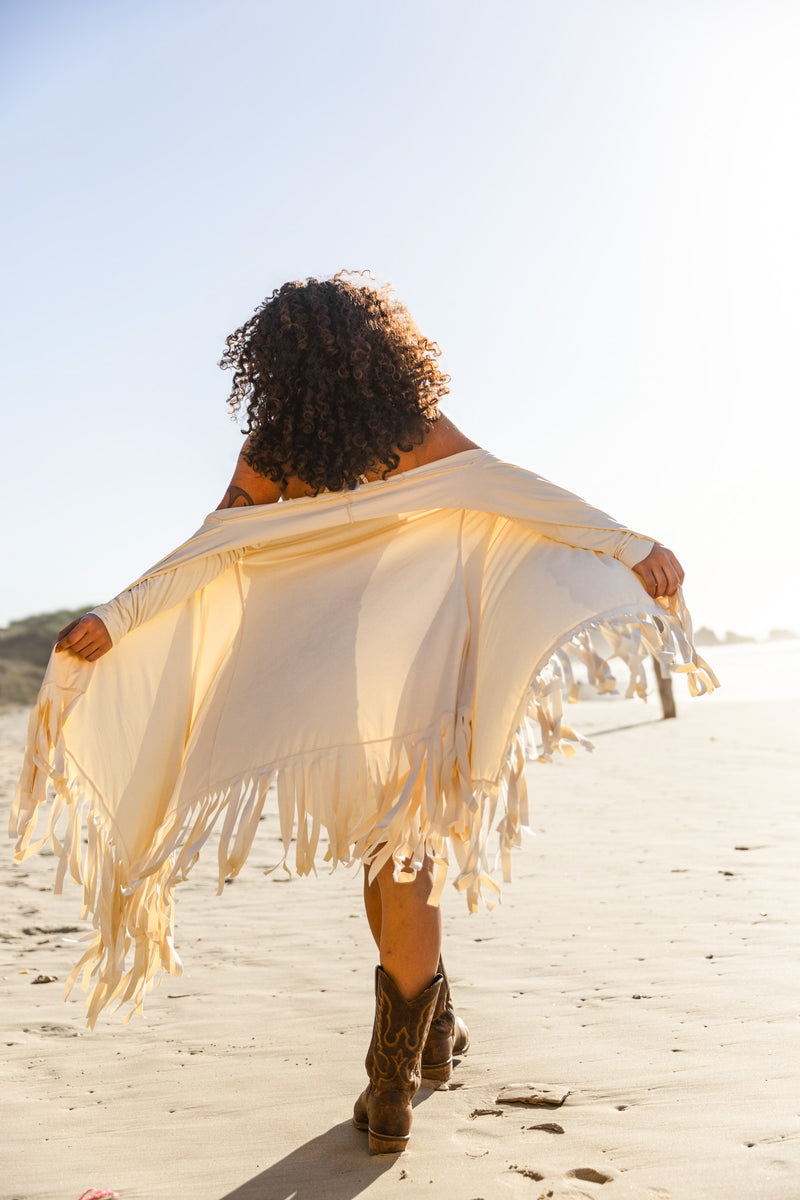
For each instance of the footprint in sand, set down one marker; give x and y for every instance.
(589, 1175)
(593, 1176)
(47, 1030)
(39, 930)
(527, 1172)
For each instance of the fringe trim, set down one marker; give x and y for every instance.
(666, 636)
(437, 805)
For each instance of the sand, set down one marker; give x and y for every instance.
(644, 958)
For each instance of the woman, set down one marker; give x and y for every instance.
(341, 395)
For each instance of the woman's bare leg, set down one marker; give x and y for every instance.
(407, 930)
(372, 905)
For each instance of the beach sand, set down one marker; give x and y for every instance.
(643, 958)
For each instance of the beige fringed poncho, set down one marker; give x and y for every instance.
(378, 656)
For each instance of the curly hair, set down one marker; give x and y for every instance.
(334, 378)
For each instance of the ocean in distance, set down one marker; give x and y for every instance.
(755, 670)
(749, 671)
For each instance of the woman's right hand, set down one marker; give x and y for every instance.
(87, 637)
(660, 573)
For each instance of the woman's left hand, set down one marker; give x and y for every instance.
(660, 573)
(87, 637)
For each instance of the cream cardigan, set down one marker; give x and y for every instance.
(377, 658)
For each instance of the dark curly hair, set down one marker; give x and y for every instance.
(335, 378)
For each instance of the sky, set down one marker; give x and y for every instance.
(592, 206)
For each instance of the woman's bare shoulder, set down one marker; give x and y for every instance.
(443, 439)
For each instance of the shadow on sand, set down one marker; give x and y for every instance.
(336, 1165)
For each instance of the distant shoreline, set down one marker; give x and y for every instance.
(708, 637)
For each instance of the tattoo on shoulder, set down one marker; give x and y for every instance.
(236, 497)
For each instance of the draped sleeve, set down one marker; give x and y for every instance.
(159, 593)
(554, 512)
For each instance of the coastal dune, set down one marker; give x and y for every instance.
(643, 959)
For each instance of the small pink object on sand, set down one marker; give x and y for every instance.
(98, 1194)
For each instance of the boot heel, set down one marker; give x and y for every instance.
(437, 1074)
(447, 1036)
(384, 1143)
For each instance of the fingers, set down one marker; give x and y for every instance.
(87, 638)
(659, 582)
(652, 585)
(672, 572)
(74, 635)
(67, 628)
(84, 647)
(88, 649)
(660, 572)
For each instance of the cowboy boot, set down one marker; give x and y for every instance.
(393, 1063)
(448, 1036)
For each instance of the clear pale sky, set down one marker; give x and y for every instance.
(592, 205)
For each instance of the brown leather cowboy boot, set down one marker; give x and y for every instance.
(393, 1063)
(448, 1036)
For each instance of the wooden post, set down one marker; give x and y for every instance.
(665, 691)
